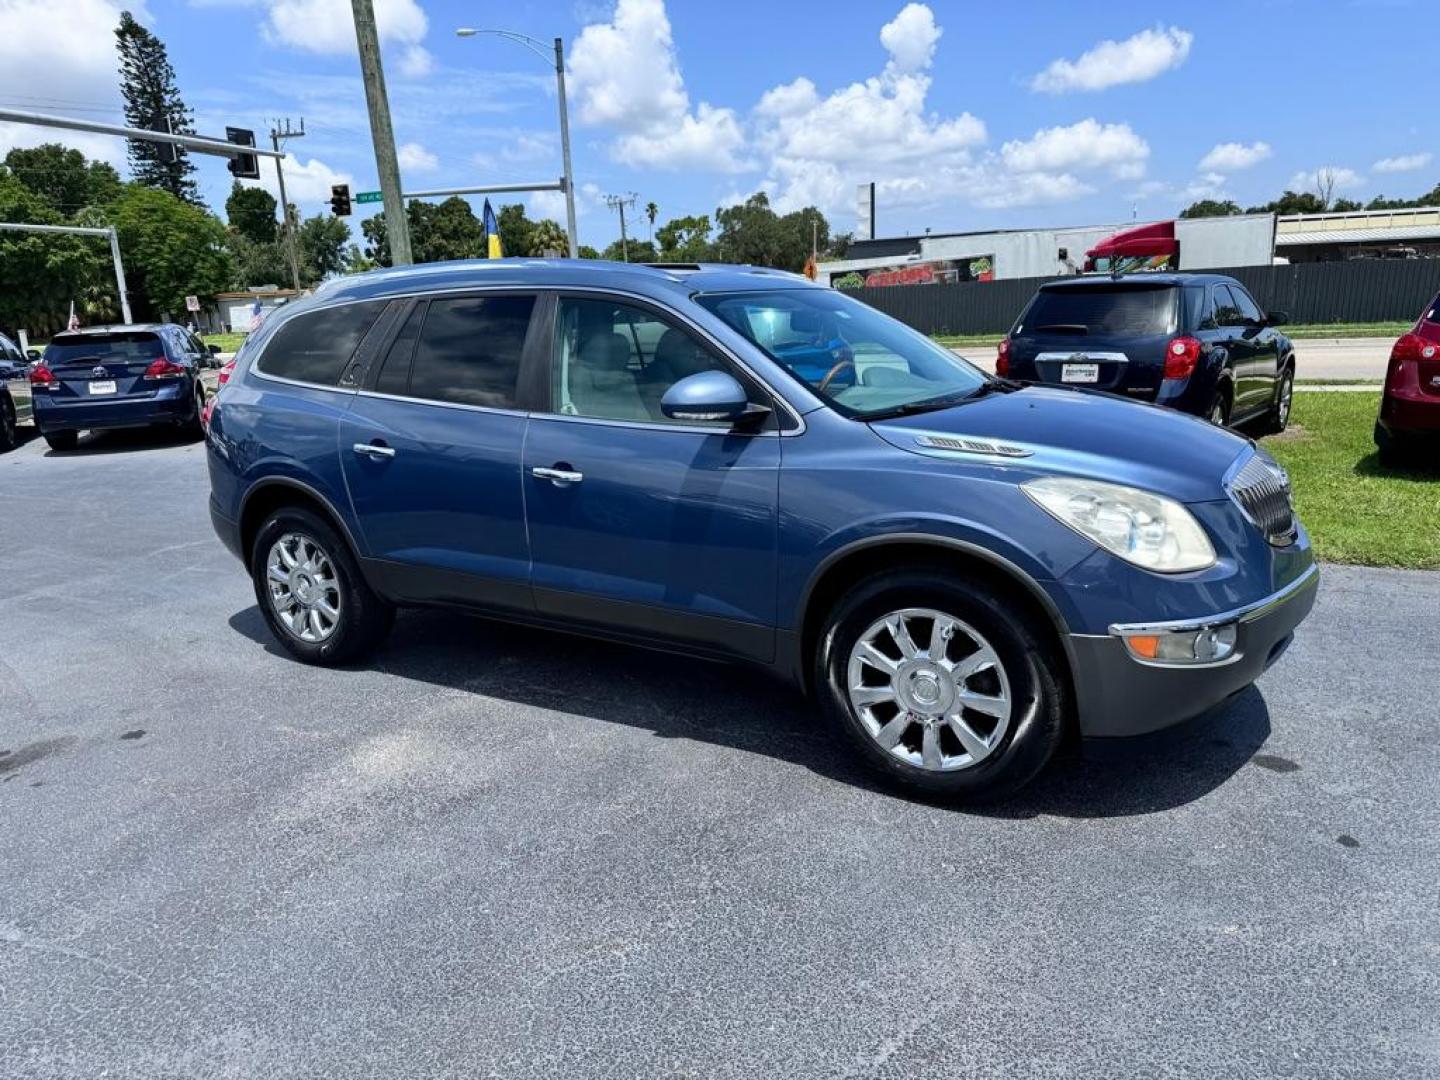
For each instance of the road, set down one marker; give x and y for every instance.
(1350, 359)
(500, 852)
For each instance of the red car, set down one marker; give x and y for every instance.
(1410, 409)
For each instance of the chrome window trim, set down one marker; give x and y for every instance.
(1248, 613)
(299, 382)
(657, 425)
(1057, 356)
(537, 288)
(442, 404)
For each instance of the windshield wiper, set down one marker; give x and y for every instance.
(924, 405)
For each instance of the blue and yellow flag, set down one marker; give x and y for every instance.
(492, 234)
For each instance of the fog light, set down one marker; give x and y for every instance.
(1208, 645)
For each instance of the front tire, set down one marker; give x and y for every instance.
(942, 685)
(1278, 418)
(311, 592)
(8, 435)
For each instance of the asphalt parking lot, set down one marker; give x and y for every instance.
(497, 852)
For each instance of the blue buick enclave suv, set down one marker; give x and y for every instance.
(960, 569)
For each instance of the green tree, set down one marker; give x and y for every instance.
(147, 83)
(1210, 208)
(639, 251)
(651, 213)
(251, 213)
(752, 233)
(1292, 202)
(685, 239)
(323, 241)
(839, 245)
(516, 230)
(1430, 198)
(63, 177)
(1345, 206)
(41, 273)
(257, 262)
(800, 230)
(585, 251)
(172, 249)
(547, 238)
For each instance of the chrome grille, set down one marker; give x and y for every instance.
(1261, 488)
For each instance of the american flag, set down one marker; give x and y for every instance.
(74, 323)
(257, 315)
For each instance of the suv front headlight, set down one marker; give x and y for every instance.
(1145, 529)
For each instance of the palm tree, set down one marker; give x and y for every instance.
(548, 238)
(652, 212)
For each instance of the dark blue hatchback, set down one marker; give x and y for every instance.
(737, 463)
(119, 377)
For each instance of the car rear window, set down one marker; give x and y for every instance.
(316, 346)
(469, 350)
(121, 346)
(1102, 310)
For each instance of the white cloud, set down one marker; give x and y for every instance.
(306, 183)
(328, 26)
(416, 62)
(1336, 177)
(1088, 144)
(1402, 163)
(527, 146)
(58, 56)
(414, 158)
(1112, 63)
(1233, 156)
(625, 75)
(910, 39)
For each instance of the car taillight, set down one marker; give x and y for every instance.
(164, 369)
(1181, 356)
(1414, 348)
(223, 376)
(1002, 358)
(42, 376)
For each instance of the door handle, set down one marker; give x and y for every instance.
(375, 453)
(559, 477)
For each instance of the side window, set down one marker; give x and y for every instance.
(615, 361)
(1433, 315)
(315, 346)
(1199, 313)
(1249, 310)
(394, 377)
(1226, 312)
(469, 350)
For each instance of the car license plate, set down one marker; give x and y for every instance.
(104, 386)
(1080, 373)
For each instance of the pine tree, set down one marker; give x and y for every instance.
(147, 82)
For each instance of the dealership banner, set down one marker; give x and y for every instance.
(938, 272)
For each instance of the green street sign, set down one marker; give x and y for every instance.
(369, 196)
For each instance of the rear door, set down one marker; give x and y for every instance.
(104, 365)
(431, 452)
(1263, 347)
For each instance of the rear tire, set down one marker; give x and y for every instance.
(63, 441)
(1392, 451)
(913, 741)
(1278, 418)
(8, 436)
(343, 619)
(194, 428)
(1219, 411)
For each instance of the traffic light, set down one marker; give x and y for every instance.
(242, 166)
(340, 200)
(165, 153)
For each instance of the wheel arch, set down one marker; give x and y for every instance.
(854, 562)
(266, 497)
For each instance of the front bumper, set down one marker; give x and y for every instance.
(1118, 695)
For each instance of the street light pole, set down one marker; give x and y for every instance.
(538, 48)
(381, 133)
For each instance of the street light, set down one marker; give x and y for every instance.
(538, 48)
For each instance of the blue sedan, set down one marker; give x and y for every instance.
(735, 463)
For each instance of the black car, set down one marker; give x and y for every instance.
(13, 368)
(1194, 342)
(119, 376)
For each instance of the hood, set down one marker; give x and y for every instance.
(1043, 431)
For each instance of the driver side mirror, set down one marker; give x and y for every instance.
(1277, 318)
(706, 397)
(214, 350)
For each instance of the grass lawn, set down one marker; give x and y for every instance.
(1357, 511)
(227, 342)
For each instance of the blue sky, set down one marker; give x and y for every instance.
(969, 116)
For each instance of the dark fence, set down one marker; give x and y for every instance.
(1359, 291)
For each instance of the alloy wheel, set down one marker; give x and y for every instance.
(1287, 395)
(304, 590)
(929, 689)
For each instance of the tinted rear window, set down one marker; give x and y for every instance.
(1116, 311)
(469, 350)
(316, 346)
(125, 346)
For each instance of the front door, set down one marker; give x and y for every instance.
(639, 524)
(1262, 346)
(431, 450)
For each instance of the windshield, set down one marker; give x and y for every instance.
(1121, 310)
(859, 360)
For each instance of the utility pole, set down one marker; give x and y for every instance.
(565, 150)
(619, 202)
(381, 133)
(290, 240)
